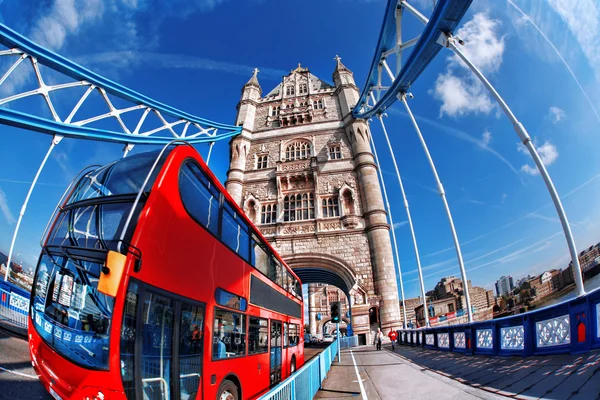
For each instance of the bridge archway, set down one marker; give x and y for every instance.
(323, 268)
(321, 324)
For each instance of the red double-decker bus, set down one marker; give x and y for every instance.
(153, 284)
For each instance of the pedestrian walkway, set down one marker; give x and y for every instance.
(558, 377)
(386, 375)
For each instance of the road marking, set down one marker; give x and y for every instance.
(362, 388)
(18, 373)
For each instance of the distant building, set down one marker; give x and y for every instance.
(480, 298)
(411, 304)
(447, 285)
(447, 300)
(504, 286)
(437, 308)
(523, 280)
(588, 258)
(540, 286)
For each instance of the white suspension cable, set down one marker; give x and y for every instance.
(410, 223)
(447, 207)
(55, 140)
(389, 210)
(450, 42)
(209, 152)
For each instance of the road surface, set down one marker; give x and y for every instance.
(17, 378)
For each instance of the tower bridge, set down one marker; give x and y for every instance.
(305, 170)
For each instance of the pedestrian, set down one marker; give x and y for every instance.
(393, 336)
(379, 338)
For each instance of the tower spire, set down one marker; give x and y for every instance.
(254, 79)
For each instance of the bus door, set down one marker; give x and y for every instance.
(276, 344)
(169, 347)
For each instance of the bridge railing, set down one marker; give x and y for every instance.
(571, 327)
(14, 304)
(305, 383)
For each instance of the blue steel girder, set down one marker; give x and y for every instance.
(446, 16)
(194, 129)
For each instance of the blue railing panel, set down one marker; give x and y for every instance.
(572, 326)
(304, 384)
(14, 304)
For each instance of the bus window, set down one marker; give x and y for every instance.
(128, 340)
(234, 232)
(276, 271)
(294, 335)
(230, 300)
(125, 176)
(258, 335)
(199, 196)
(69, 313)
(190, 350)
(157, 351)
(229, 334)
(285, 334)
(298, 288)
(260, 257)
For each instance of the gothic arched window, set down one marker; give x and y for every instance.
(289, 90)
(298, 207)
(303, 88)
(297, 150)
(262, 162)
(318, 104)
(330, 207)
(268, 214)
(335, 152)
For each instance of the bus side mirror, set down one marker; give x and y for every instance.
(111, 273)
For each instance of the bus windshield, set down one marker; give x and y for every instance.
(69, 313)
(95, 214)
(125, 176)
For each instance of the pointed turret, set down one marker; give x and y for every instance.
(342, 75)
(251, 93)
(344, 83)
(254, 80)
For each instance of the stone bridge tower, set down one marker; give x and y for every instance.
(303, 171)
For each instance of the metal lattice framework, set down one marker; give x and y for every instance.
(183, 126)
(383, 86)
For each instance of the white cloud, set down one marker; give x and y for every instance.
(486, 137)
(458, 89)
(548, 153)
(585, 7)
(504, 197)
(460, 96)
(557, 114)
(399, 224)
(583, 19)
(133, 59)
(63, 21)
(5, 209)
(64, 18)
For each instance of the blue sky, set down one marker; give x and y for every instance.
(542, 56)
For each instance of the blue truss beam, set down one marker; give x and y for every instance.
(43, 125)
(445, 18)
(209, 130)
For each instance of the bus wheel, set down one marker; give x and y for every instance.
(228, 391)
(293, 366)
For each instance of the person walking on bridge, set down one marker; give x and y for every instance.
(378, 338)
(393, 336)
